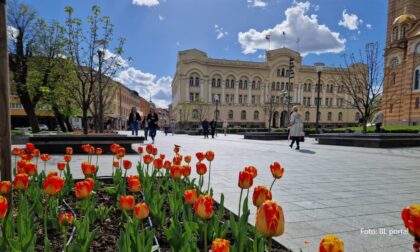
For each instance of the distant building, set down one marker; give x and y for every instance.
(246, 92)
(401, 96)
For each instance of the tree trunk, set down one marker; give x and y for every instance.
(30, 110)
(68, 124)
(364, 125)
(59, 116)
(85, 121)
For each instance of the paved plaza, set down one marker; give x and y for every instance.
(355, 193)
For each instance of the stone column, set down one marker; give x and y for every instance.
(202, 90)
(335, 97)
(187, 90)
(249, 93)
(262, 92)
(223, 98)
(236, 92)
(313, 94)
(324, 94)
(296, 96)
(210, 97)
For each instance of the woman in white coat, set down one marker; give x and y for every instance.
(296, 127)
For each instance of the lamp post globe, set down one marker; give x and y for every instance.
(319, 67)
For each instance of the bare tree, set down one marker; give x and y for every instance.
(363, 79)
(270, 108)
(89, 52)
(202, 109)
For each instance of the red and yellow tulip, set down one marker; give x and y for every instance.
(260, 195)
(65, 219)
(220, 245)
(190, 196)
(83, 189)
(53, 185)
(411, 218)
(4, 206)
(141, 211)
(270, 219)
(21, 181)
(331, 243)
(5, 187)
(127, 202)
(245, 180)
(203, 207)
(201, 168)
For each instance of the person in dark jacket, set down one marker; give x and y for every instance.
(205, 125)
(212, 128)
(152, 120)
(133, 121)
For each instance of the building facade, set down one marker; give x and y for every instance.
(401, 97)
(246, 93)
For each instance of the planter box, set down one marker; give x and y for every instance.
(370, 140)
(267, 136)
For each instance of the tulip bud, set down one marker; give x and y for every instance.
(5, 187)
(158, 163)
(114, 147)
(186, 170)
(134, 184)
(190, 196)
(176, 149)
(276, 170)
(83, 189)
(36, 153)
(116, 164)
(331, 243)
(30, 147)
(127, 202)
(88, 169)
(176, 172)
(149, 148)
(65, 219)
(154, 151)
(177, 160)
(200, 156)
(209, 156)
(270, 219)
(203, 207)
(411, 218)
(4, 206)
(148, 159)
(30, 168)
(141, 211)
(261, 194)
(162, 156)
(67, 158)
(45, 157)
(69, 151)
(98, 151)
(252, 170)
(245, 180)
(21, 181)
(201, 168)
(187, 159)
(61, 166)
(140, 150)
(167, 165)
(127, 164)
(16, 151)
(220, 245)
(53, 185)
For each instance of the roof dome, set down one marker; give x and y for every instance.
(405, 18)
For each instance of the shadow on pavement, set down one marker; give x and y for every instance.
(307, 151)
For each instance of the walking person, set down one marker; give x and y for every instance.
(152, 119)
(173, 125)
(133, 121)
(212, 128)
(296, 128)
(378, 120)
(166, 127)
(225, 126)
(205, 126)
(145, 127)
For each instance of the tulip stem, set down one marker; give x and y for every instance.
(208, 186)
(272, 184)
(256, 241)
(65, 239)
(270, 242)
(240, 201)
(205, 235)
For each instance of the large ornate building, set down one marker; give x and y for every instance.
(246, 93)
(401, 96)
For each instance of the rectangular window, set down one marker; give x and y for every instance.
(417, 103)
(240, 99)
(253, 99)
(417, 80)
(191, 96)
(391, 106)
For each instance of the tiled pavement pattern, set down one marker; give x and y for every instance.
(325, 189)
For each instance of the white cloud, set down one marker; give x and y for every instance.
(261, 56)
(12, 33)
(147, 3)
(257, 3)
(220, 33)
(350, 21)
(147, 84)
(118, 59)
(369, 26)
(178, 43)
(298, 26)
(161, 18)
(316, 7)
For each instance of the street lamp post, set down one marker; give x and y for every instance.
(101, 98)
(318, 67)
(216, 113)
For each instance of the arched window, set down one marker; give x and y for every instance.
(278, 85)
(416, 85)
(395, 34)
(195, 114)
(282, 72)
(329, 118)
(245, 84)
(218, 83)
(282, 86)
(259, 85)
(404, 31)
(278, 72)
(243, 115)
(191, 81)
(197, 81)
(307, 116)
(253, 85)
(256, 115)
(309, 87)
(340, 116)
(213, 82)
(357, 116)
(227, 83)
(240, 84)
(232, 84)
(305, 86)
(273, 86)
(393, 78)
(230, 115)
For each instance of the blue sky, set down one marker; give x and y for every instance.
(233, 29)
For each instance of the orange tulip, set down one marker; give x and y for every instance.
(61, 166)
(331, 243)
(127, 202)
(29, 157)
(176, 172)
(162, 156)
(270, 219)
(190, 196)
(83, 189)
(177, 160)
(261, 194)
(67, 158)
(121, 152)
(186, 170)
(220, 245)
(30, 168)
(245, 180)
(116, 164)
(176, 149)
(158, 163)
(5, 187)
(16, 151)
(30, 147)
(88, 168)
(141, 211)
(200, 156)
(149, 148)
(203, 207)
(91, 182)
(252, 170)
(21, 163)
(21, 181)
(276, 170)
(3, 207)
(201, 168)
(36, 153)
(167, 165)
(209, 156)
(52, 173)
(98, 151)
(127, 164)
(53, 185)
(154, 151)
(69, 151)
(134, 184)
(411, 218)
(45, 157)
(187, 159)
(147, 159)
(140, 150)
(114, 148)
(65, 219)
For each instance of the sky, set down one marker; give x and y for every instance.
(155, 30)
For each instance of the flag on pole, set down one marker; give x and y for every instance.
(268, 37)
